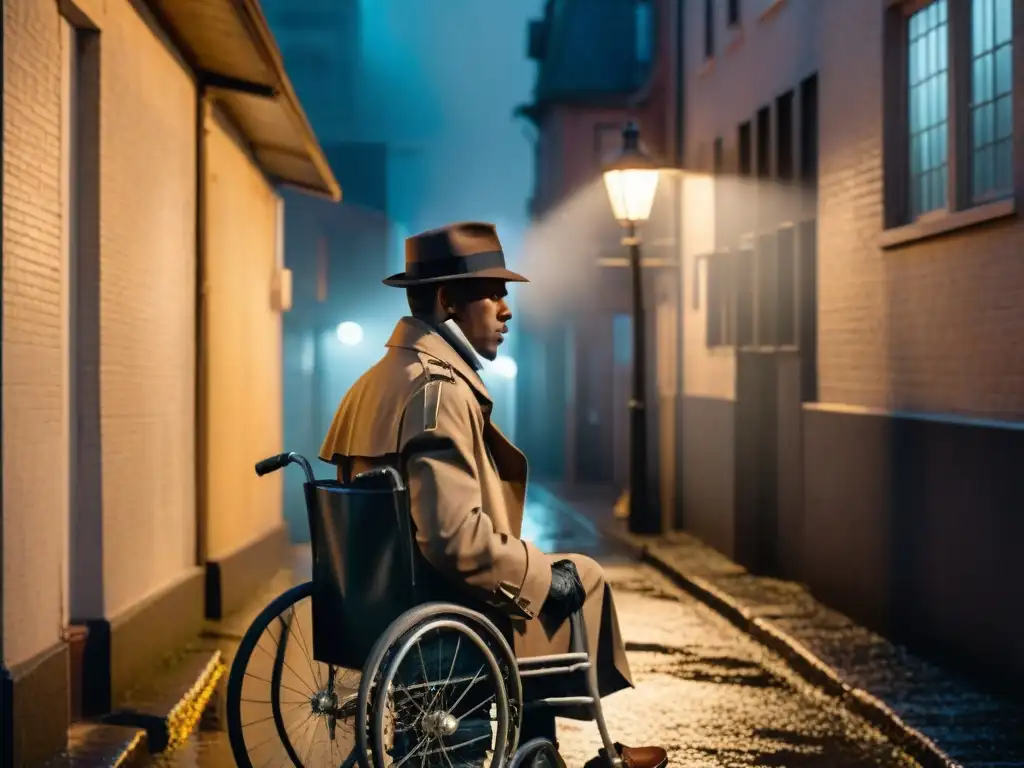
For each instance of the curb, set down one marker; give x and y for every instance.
(135, 752)
(800, 659)
(184, 717)
(166, 731)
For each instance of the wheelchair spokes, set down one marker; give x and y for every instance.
(450, 699)
(286, 708)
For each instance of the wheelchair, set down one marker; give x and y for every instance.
(375, 663)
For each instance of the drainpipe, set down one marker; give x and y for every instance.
(202, 113)
(679, 515)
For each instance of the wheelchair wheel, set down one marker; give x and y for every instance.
(284, 707)
(441, 687)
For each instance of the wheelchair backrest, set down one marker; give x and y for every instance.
(362, 565)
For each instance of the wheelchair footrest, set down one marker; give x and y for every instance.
(560, 701)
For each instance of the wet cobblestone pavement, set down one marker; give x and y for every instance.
(705, 691)
(972, 726)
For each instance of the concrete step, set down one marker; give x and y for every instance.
(170, 704)
(98, 745)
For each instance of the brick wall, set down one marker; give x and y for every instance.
(142, 526)
(928, 327)
(147, 294)
(33, 342)
(243, 377)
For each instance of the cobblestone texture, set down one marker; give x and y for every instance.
(971, 726)
(707, 692)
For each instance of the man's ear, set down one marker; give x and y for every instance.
(446, 301)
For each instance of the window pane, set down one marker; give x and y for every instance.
(1003, 21)
(1003, 159)
(982, 84)
(929, 107)
(983, 126)
(1004, 76)
(982, 170)
(991, 103)
(1004, 117)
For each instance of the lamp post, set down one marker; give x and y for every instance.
(632, 180)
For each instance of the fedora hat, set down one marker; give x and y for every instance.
(456, 252)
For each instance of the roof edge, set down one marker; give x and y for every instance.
(259, 30)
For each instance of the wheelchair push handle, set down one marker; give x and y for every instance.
(281, 460)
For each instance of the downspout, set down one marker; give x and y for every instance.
(202, 113)
(680, 61)
(679, 514)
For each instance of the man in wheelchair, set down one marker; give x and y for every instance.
(424, 407)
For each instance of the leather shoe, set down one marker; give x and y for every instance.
(641, 757)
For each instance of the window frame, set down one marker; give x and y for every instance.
(900, 226)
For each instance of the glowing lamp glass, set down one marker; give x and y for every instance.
(631, 192)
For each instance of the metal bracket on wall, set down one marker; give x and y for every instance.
(227, 83)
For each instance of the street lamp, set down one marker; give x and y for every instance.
(632, 180)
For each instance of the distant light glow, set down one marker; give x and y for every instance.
(504, 366)
(350, 333)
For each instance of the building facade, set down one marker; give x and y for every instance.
(143, 287)
(598, 65)
(852, 410)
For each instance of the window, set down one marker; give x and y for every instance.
(928, 89)
(709, 29)
(809, 131)
(764, 143)
(745, 294)
(644, 32)
(955, 63)
(787, 287)
(721, 302)
(784, 136)
(733, 13)
(991, 98)
(745, 158)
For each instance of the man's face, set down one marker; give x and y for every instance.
(480, 312)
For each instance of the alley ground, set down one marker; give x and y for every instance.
(705, 691)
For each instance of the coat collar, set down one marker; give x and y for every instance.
(412, 333)
(451, 333)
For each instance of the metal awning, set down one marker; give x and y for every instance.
(229, 45)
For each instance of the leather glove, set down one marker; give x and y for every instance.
(567, 594)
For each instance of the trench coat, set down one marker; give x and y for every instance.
(467, 487)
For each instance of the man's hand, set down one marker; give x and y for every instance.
(567, 594)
